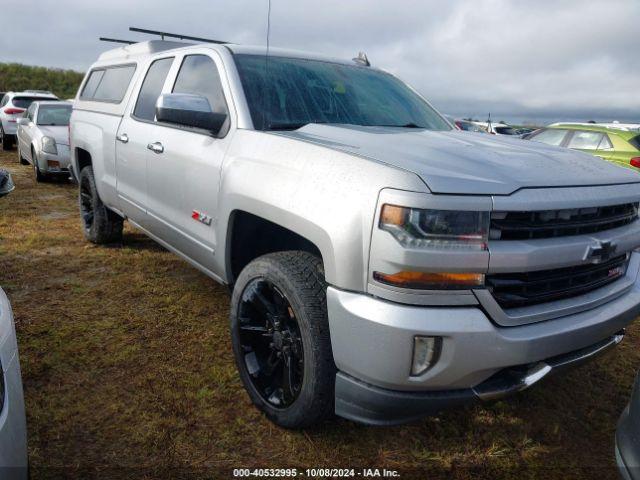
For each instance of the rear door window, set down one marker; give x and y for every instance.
(151, 89)
(550, 136)
(585, 140)
(635, 142)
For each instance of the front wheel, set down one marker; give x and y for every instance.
(23, 161)
(280, 335)
(100, 225)
(37, 174)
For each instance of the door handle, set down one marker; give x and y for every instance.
(156, 147)
(124, 138)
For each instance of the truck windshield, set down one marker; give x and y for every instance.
(296, 92)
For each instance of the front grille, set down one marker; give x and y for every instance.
(512, 290)
(560, 223)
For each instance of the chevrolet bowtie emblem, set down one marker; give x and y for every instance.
(602, 252)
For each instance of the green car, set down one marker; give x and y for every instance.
(618, 144)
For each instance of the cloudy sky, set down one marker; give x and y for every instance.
(521, 60)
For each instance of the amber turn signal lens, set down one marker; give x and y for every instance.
(422, 280)
(393, 215)
(53, 164)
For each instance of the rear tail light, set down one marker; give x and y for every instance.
(635, 161)
(13, 111)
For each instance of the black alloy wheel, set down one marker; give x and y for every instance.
(99, 224)
(87, 207)
(270, 339)
(280, 338)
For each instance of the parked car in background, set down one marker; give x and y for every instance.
(497, 128)
(12, 107)
(522, 131)
(620, 145)
(627, 448)
(13, 426)
(383, 265)
(468, 126)
(628, 126)
(43, 138)
(501, 129)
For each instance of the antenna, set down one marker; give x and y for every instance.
(175, 35)
(116, 40)
(362, 59)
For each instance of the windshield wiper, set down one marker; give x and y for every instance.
(286, 126)
(406, 125)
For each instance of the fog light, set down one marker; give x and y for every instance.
(53, 164)
(425, 354)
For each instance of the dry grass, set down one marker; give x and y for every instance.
(128, 372)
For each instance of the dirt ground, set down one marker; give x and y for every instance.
(128, 373)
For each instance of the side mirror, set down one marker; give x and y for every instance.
(6, 183)
(24, 121)
(189, 111)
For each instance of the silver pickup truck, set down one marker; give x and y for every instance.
(383, 264)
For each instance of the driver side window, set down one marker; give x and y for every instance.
(198, 75)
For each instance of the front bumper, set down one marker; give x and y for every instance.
(365, 403)
(63, 158)
(372, 343)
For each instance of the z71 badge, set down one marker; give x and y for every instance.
(201, 217)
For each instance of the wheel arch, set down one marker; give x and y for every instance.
(250, 235)
(83, 158)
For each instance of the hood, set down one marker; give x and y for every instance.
(460, 162)
(60, 134)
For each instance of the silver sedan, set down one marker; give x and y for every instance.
(43, 138)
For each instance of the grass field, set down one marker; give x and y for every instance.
(128, 373)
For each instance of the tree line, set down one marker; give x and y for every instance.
(17, 77)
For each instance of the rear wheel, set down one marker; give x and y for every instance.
(99, 224)
(7, 141)
(280, 336)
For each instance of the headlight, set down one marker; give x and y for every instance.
(436, 229)
(49, 145)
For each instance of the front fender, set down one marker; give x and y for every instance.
(326, 196)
